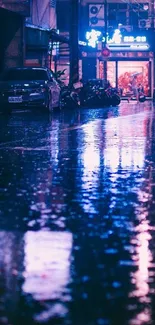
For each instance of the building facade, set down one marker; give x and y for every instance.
(129, 30)
(26, 39)
(41, 20)
(41, 34)
(12, 33)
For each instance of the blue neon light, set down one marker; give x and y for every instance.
(94, 36)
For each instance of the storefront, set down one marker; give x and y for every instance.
(129, 56)
(120, 71)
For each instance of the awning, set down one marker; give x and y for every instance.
(52, 34)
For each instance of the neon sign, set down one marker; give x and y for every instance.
(82, 43)
(93, 37)
(117, 40)
(132, 39)
(117, 37)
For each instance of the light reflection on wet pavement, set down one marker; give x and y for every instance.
(77, 226)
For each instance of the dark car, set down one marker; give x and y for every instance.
(28, 87)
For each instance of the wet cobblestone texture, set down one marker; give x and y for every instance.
(77, 217)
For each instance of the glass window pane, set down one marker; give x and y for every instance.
(126, 71)
(111, 73)
(121, 17)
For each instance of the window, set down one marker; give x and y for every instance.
(133, 19)
(117, 13)
(112, 6)
(122, 6)
(134, 7)
(138, 11)
(143, 15)
(121, 17)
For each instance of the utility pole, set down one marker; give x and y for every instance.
(105, 42)
(74, 46)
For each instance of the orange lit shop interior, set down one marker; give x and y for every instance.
(120, 72)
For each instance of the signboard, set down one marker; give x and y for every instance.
(120, 55)
(117, 42)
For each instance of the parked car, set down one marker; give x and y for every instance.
(29, 87)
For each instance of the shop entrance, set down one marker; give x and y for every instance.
(120, 74)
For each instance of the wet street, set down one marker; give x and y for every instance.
(77, 217)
